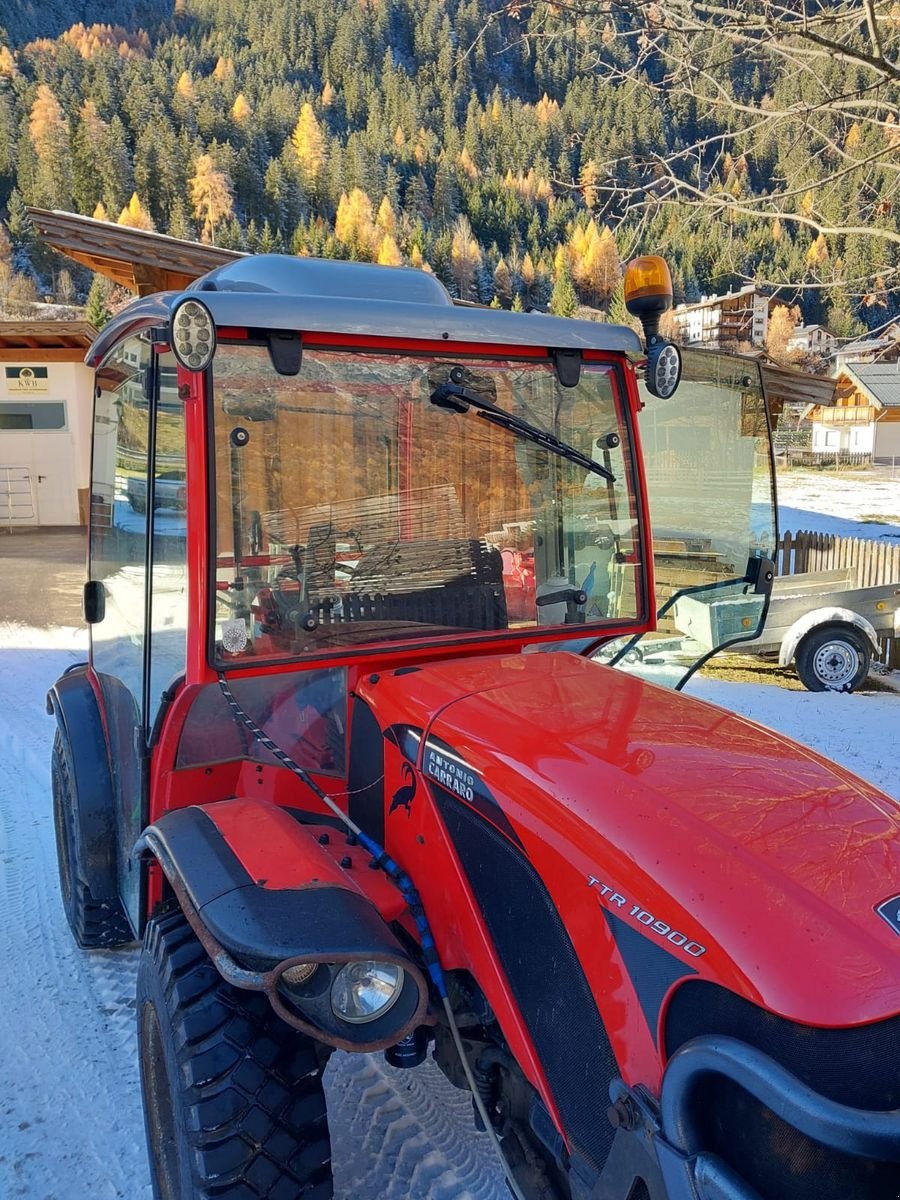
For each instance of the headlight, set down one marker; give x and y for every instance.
(193, 335)
(362, 991)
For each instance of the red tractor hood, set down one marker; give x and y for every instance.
(662, 808)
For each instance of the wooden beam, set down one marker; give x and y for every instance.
(148, 280)
(43, 354)
(118, 272)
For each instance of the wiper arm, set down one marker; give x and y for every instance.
(460, 399)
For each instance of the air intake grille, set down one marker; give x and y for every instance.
(857, 1066)
(543, 970)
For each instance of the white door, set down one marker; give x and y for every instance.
(53, 472)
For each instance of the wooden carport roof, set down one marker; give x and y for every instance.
(789, 385)
(45, 341)
(142, 261)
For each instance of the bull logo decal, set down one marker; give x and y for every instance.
(404, 796)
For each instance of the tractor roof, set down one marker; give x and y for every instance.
(316, 295)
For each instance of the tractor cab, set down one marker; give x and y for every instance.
(375, 472)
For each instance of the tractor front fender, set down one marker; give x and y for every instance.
(822, 616)
(265, 892)
(73, 702)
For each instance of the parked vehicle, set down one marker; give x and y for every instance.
(168, 492)
(828, 626)
(316, 763)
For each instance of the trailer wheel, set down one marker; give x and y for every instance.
(97, 922)
(233, 1097)
(833, 658)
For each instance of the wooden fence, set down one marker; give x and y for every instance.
(823, 460)
(873, 563)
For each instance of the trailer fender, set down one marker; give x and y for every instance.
(266, 892)
(72, 701)
(822, 616)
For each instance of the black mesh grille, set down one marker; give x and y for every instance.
(365, 780)
(544, 974)
(859, 1067)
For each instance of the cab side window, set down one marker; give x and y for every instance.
(168, 572)
(118, 536)
(138, 497)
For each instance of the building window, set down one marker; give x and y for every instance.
(832, 439)
(20, 414)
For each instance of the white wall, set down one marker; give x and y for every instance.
(887, 440)
(58, 460)
(855, 439)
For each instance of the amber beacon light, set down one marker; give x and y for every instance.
(648, 294)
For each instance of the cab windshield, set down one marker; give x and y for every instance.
(380, 498)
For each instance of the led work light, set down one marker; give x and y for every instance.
(648, 294)
(193, 335)
(362, 991)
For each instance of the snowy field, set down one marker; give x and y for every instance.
(847, 503)
(70, 1118)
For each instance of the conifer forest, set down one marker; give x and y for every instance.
(521, 151)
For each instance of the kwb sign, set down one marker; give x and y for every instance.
(26, 379)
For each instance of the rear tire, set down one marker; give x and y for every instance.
(234, 1107)
(97, 922)
(834, 658)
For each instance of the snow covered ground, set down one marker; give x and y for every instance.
(860, 504)
(70, 1118)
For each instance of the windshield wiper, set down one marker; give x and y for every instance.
(460, 399)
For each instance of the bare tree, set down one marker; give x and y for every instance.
(837, 123)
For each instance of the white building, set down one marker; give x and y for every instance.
(725, 321)
(865, 416)
(883, 347)
(811, 339)
(46, 395)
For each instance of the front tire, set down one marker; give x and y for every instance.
(234, 1107)
(97, 922)
(835, 658)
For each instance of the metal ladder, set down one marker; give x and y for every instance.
(16, 496)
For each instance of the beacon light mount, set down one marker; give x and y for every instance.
(648, 294)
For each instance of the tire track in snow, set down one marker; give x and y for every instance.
(411, 1130)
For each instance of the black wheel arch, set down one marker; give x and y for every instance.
(73, 703)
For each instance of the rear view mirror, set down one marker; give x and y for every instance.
(93, 602)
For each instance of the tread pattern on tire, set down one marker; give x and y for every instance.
(251, 1087)
(96, 923)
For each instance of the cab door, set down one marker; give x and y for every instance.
(711, 487)
(137, 552)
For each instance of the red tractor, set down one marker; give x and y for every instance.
(334, 764)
